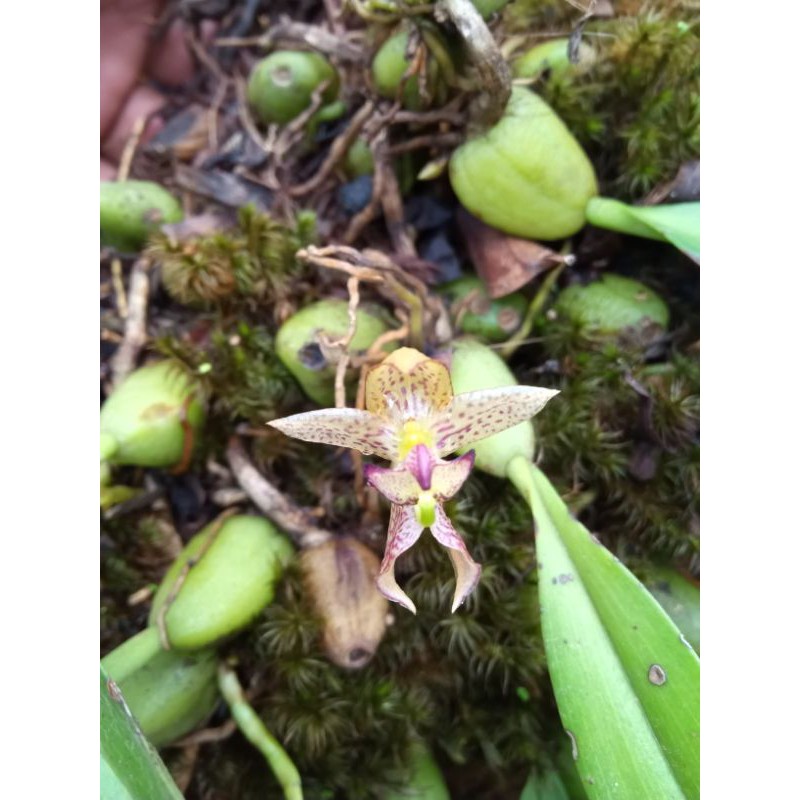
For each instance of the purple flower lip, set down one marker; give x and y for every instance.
(420, 465)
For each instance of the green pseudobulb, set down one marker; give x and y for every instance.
(236, 564)
(388, 68)
(612, 304)
(527, 175)
(552, 57)
(145, 420)
(169, 693)
(281, 86)
(298, 347)
(491, 320)
(130, 210)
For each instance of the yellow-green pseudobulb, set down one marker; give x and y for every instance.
(527, 175)
(236, 564)
(147, 418)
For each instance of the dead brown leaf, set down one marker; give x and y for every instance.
(504, 263)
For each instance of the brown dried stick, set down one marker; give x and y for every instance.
(439, 140)
(370, 211)
(337, 152)
(285, 514)
(314, 36)
(135, 336)
(492, 69)
(342, 344)
(392, 204)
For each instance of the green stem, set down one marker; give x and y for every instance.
(518, 471)
(534, 309)
(603, 212)
(442, 57)
(253, 728)
(132, 654)
(416, 325)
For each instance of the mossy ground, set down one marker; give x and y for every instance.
(622, 443)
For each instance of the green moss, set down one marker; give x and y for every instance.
(639, 454)
(254, 262)
(637, 110)
(239, 369)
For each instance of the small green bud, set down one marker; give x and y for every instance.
(146, 419)
(281, 85)
(490, 320)
(527, 175)
(390, 64)
(475, 366)
(613, 304)
(169, 693)
(228, 583)
(552, 56)
(359, 160)
(130, 210)
(388, 68)
(680, 598)
(297, 346)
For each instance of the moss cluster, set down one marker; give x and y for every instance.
(237, 364)
(628, 431)
(254, 261)
(637, 109)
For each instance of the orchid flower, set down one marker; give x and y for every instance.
(413, 420)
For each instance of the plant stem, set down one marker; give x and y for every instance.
(603, 212)
(493, 71)
(255, 731)
(534, 309)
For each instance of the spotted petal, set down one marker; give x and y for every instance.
(398, 486)
(468, 572)
(343, 427)
(419, 472)
(404, 530)
(408, 385)
(449, 476)
(477, 415)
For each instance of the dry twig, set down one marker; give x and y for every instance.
(135, 336)
(291, 518)
(337, 151)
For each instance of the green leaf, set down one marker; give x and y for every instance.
(130, 769)
(679, 598)
(545, 786)
(677, 223)
(626, 682)
(426, 781)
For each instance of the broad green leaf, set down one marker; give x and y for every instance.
(626, 682)
(130, 768)
(678, 223)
